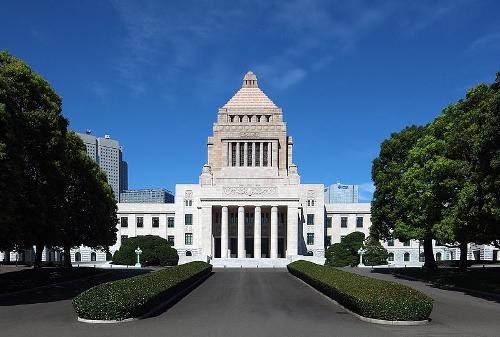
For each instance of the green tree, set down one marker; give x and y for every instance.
(32, 131)
(472, 138)
(88, 207)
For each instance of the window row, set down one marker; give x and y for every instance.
(170, 239)
(390, 243)
(139, 222)
(249, 118)
(344, 222)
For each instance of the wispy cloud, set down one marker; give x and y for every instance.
(366, 192)
(488, 40)
(99, 89)
(163, 40)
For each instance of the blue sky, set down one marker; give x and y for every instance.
(152, 74)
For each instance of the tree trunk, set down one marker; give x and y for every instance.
(462, 264)
(430, 262)
(67, 257)
(38, 256)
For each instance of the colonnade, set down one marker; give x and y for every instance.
(241, 252)
(252, 154)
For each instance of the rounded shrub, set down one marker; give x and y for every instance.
(156, 251)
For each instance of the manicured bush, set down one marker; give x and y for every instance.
(156, 251)
(375, 254)
(345, 253)
(365, 296)
(137, 295)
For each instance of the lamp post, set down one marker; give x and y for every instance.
(361, 252)
(138, 251)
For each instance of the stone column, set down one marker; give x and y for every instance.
(261, 154)
(238, 154)
(257, 251)
(245, 154)
(274, 232)
(253, 154)
(230, 154)
(269, 150)
(224, 235)
(292, 231)
(241, 232)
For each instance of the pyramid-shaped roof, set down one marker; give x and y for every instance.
(250, 97)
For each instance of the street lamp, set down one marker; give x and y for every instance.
(138, 251)
(361, 252)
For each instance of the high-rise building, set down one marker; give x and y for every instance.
(108, 155)
(158, 195)
(341, 194)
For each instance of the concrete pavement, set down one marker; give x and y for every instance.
(232, 302)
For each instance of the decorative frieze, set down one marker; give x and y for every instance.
(249, 191)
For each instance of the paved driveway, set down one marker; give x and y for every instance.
(229, 303)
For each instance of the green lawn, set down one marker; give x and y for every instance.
(482, 279)
(30, 278)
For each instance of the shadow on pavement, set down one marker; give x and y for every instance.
(65, 290)
(470, 292)
(170, 304)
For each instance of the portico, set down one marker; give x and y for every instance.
(253, 231)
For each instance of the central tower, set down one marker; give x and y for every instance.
(250, 145)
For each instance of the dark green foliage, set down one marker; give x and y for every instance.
(365, 296)
(375, 254)
(137, 295)
(345, 253)
(337, 255)
(156, 251)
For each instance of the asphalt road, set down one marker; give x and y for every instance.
(229, 303)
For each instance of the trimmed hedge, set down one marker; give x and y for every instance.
(135, 296)
(365, 296)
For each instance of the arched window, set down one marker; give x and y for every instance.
(390, 257)
(93, 256)
(188, 253)
(438, 256)
(109, 256)
(406, 257)
(78, 257)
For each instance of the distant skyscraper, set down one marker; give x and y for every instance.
(108, 154)
(340, 193)
(159, 195)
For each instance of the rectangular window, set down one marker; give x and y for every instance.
(249, 154)
(233, 154)
(343, 222)
(170, 239)
(170, 222)
(359, 222)
(188, 219)
(140, 222)
(329, 222)
(342, 238)
(390, 243)
(188, 239)
(124, 237)
(264, 154)
(310, 238)
(310, 219)
(156, 222)
(257, 154)
(242, 154)
(406, 243)
(124, 221)
(328, 241)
